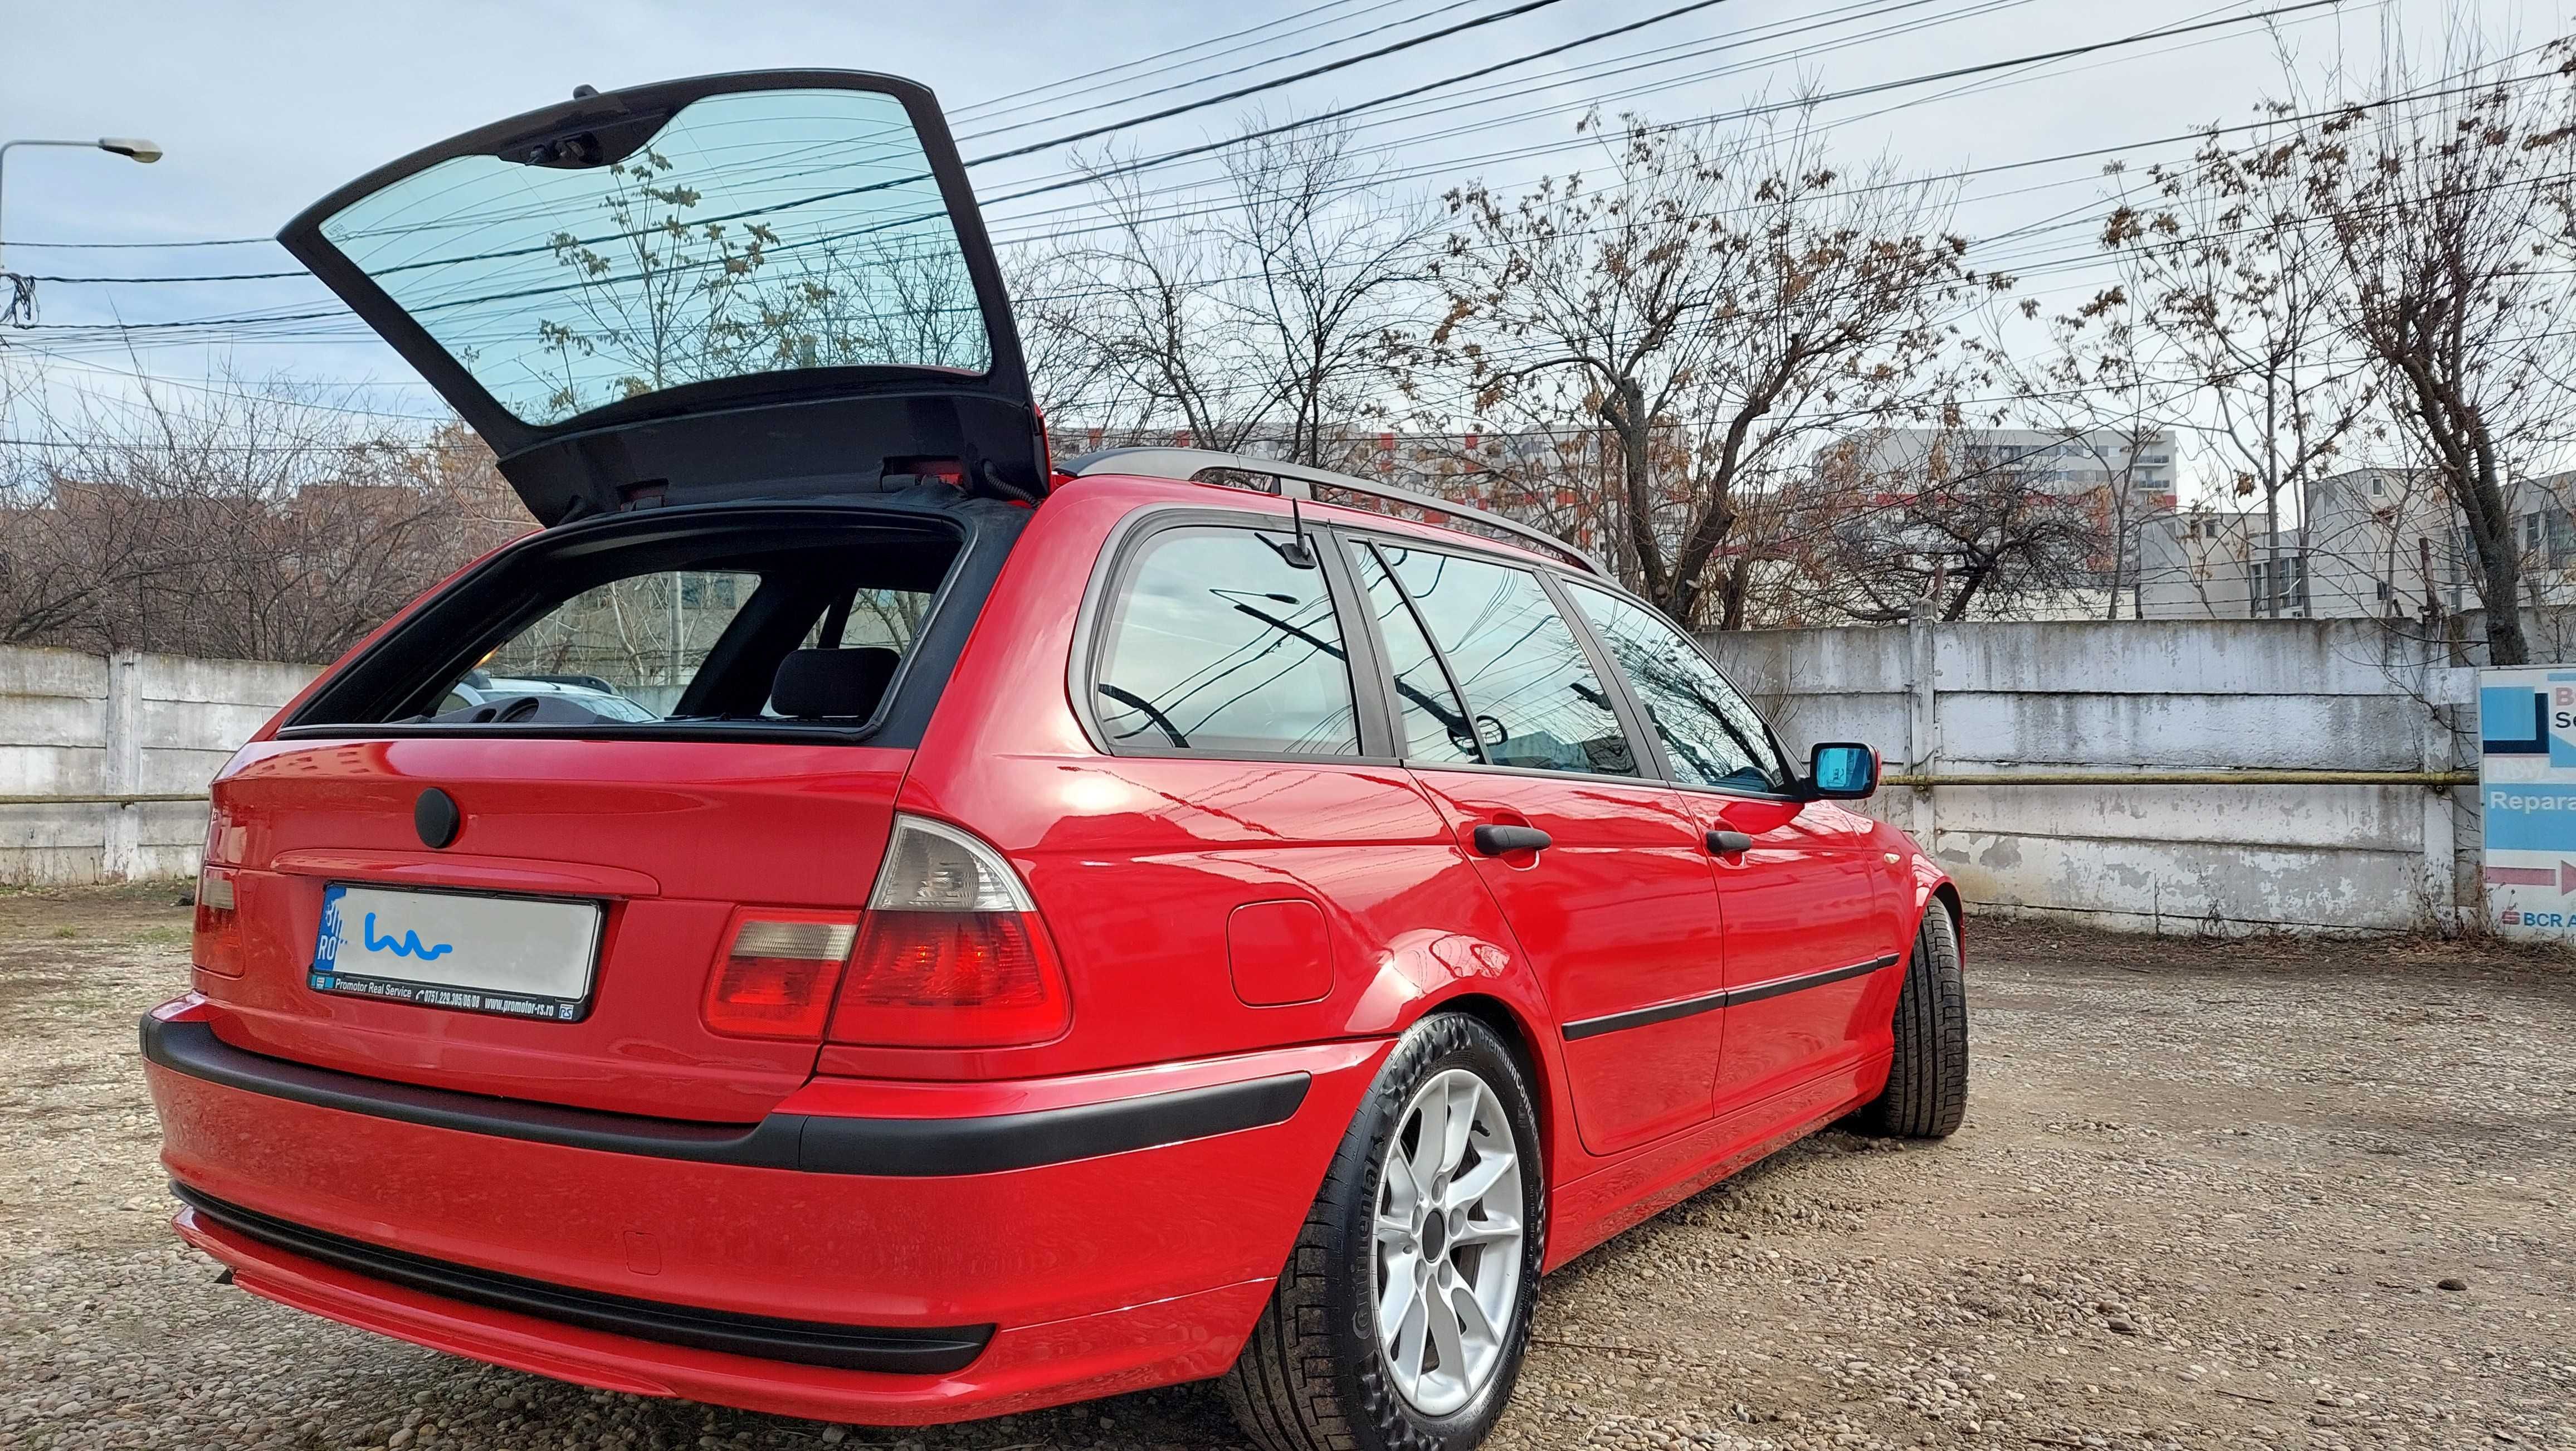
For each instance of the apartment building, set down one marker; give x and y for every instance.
(2369, 543)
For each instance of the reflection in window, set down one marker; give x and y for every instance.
(885, 618)
(1529, 686)
(1220, 643)
(1713, 737)
(625, 650)
(757, 232)
(1436, 728)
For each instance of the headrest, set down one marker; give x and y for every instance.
(832, 684)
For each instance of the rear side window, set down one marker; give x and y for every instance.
(1218, 640)
(1713, 737)
(1530, 688)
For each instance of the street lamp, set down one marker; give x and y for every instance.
(133, 148)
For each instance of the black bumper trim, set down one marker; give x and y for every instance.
(889, 1147)
(1575, 1032)
(804, 1342)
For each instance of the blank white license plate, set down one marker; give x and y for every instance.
(522, 957)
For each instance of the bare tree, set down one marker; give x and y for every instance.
(1971, 527)
(1144, 298)
(2231, 270)
(668, 294)
(2097, 397)
(252, 521)
(1722, 300)
(1254, 321)
(1328, 256)
(1053, 302)
(2442, 216)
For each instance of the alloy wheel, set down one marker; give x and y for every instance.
(1448, 1242)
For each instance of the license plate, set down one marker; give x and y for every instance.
(520, 957)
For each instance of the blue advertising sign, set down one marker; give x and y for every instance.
(2527, 792)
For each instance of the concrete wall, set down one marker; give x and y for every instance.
(2008, 699)
(104, 760)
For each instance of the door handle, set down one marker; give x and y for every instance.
(1729, 843)
(1500, 840)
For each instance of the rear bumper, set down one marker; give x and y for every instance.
(812, 1143)
(1112, 1232)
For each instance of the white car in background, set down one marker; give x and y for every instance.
(587, 691)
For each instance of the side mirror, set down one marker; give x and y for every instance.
(1842, 771)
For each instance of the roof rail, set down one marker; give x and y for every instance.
(1297, 481)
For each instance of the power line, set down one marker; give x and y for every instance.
(1087, 178)
(1610, 66)
(976, 108)
(1100, 76)
(839, 193)
(1955, 73)
(300, 273)
(1195, 81)
(1524, 8)
(1529, 151)
(153, 381)
(2206, 132)
(1745, 113)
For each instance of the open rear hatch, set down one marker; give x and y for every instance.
(765, 284)
(595, 825)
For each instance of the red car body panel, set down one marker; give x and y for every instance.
(790, 826)
(1818, 889)
(1103, 1272)
(1618, 914)
(1025, 1368)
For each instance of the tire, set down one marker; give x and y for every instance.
(1315, 1376)
(1927, 1084)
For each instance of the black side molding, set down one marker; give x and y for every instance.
(805, 1342)
(1756, 992)
(1749, 993)
(1641, 1017)
(891, 1147)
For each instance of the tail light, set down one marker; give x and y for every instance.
(952, 954)
(216, 947)
(776, 977)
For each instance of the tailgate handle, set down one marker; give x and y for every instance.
(1729, 843)
(1503, 840)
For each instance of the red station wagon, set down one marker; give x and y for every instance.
(856, 920)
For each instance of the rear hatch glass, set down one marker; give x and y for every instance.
(756, 285)
(760, 232)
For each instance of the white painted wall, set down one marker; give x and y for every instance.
(83, 736)
(2014, 697)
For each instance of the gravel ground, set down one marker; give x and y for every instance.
(2265, 1194)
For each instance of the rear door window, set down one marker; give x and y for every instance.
(1436, 728)
(1218, 640)
(1531, 690)
(1712, 735)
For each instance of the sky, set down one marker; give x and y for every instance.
(264, 108)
